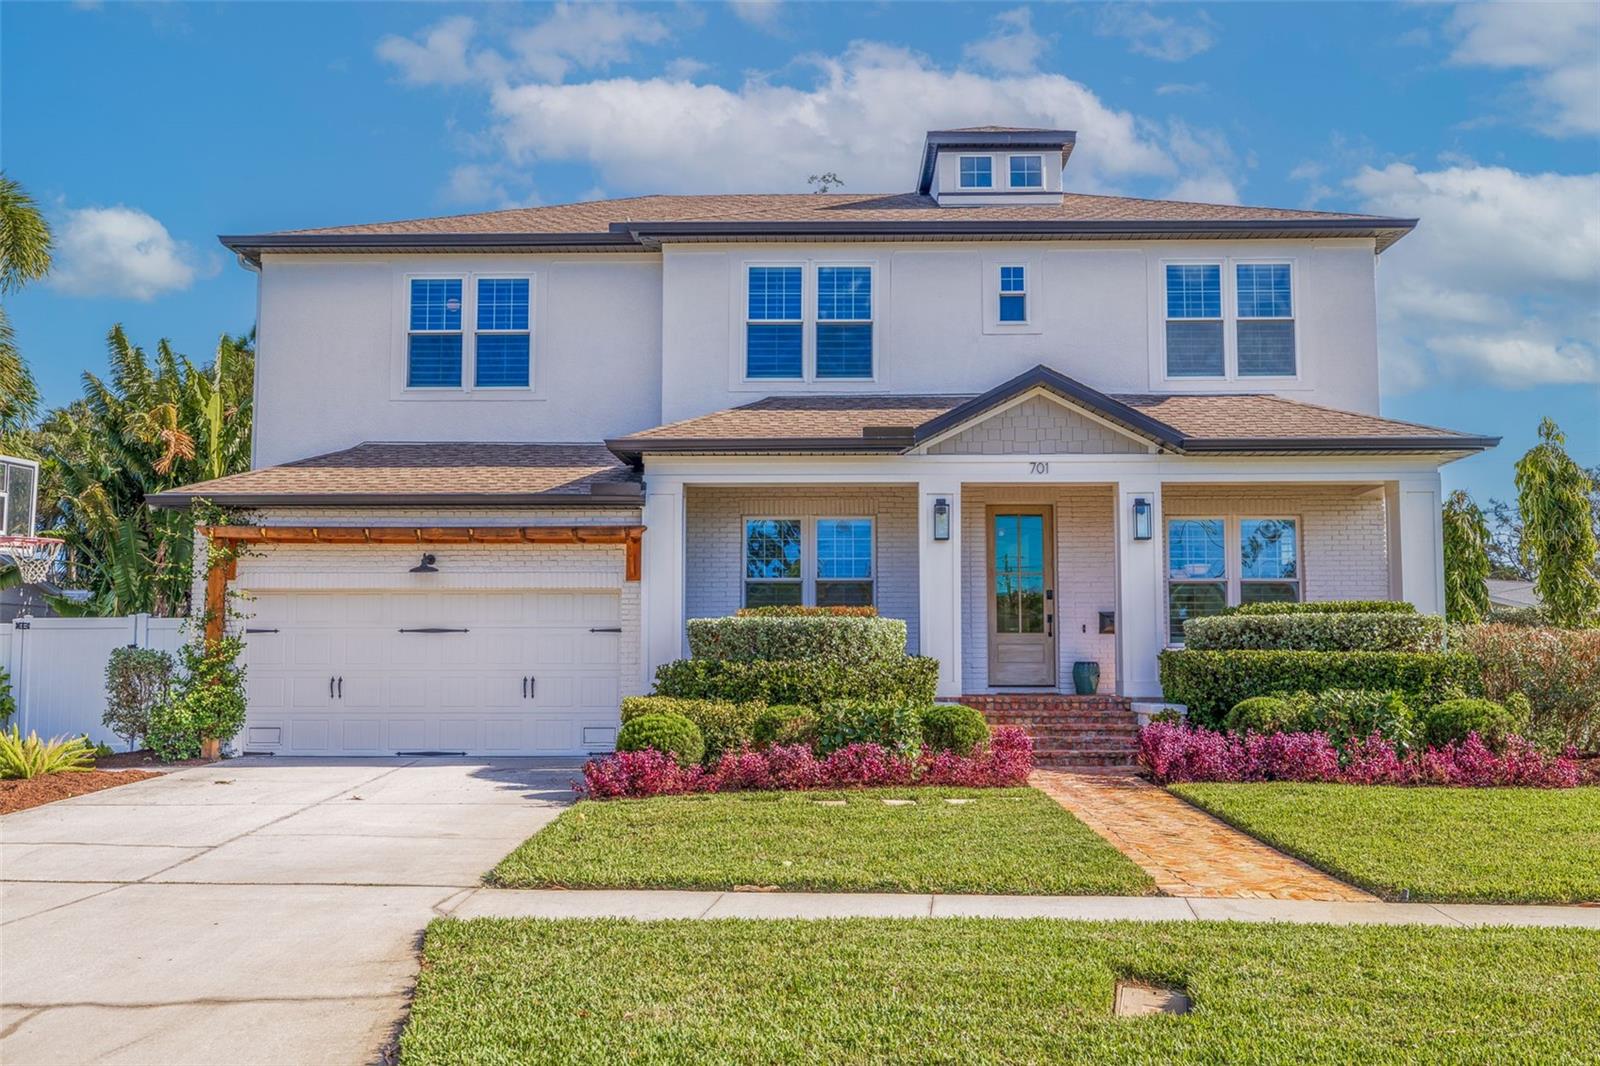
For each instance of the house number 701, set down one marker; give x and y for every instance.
(1038, 468)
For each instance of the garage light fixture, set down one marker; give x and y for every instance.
(426, 566)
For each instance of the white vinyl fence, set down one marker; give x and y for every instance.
(58, 668)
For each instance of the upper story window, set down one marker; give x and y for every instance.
(1027, 172)
(844, 322)
(1266, 320)
(1213, 563)
(774, 327)
(1194, 320)
(433, 344)
(790, 336)
(1013, 294)
(501, 357)
(1212, 333)
(977, 172)
(477, 329)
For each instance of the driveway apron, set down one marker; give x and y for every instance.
(253, 911)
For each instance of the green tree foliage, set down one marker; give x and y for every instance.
(155, 423)
(1466, 560)
(1558, 538)
(24, 257)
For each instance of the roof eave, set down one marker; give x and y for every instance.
(179, 500)
(632, 450)
(251, 246)
(1370, 445)
(1058, 384)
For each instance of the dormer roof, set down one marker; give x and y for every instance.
(990, 138)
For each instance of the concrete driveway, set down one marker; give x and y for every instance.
(258, 910)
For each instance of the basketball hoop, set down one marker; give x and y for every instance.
(34, 557)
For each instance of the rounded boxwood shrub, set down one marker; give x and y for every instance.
(893, 724)
(1272, 714)
(670, 734)
(953, 727)
(1355, 714)
(785, 723)
(1452, 720)
(724, 725)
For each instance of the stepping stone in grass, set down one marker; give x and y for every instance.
(829, 803)
(1135, 999)
(949, 799)
(898, 803)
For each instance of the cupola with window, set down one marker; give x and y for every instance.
(991, 165)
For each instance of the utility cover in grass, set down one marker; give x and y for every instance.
(1026, 845)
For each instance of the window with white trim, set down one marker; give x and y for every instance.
(977, 172)
(828, 561)
(844, 322)
(469, 332)
(774, 323)
(1013, 294)
(1027, 172)
(1194, 320)
(502, 341)
(1265, 323)
(1214, 563)
(434, 335)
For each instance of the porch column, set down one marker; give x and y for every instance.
(661, 590)
(1139, 591)
(1413, 511)
(939, 584)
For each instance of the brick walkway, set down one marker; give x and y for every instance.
(1188, 852)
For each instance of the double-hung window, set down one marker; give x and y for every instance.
(823, 561)
(1265, 327)
(433, 341)
(844, 562)
(844, 322)
(1216, 562)
(1013, 294)
(977, 172)
(501, 346)
(774, 326)
(1027, 172)
(1194, 320)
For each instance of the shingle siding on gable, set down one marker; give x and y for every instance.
(714, 570)
(1038, 426)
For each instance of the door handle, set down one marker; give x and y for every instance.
(524, 688)
(341, 688)
(533, 685)
(330, 687)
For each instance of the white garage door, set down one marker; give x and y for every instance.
(383, 673)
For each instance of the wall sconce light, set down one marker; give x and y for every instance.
(941, 519)
(426, 566)
(1141, 518)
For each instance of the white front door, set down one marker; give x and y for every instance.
(382, 673)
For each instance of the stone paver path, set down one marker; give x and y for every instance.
(1188, 852)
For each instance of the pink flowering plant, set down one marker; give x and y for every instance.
(1004, 762)
(1174, 752)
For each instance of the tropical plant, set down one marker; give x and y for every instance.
(154, 423)
(1466, 560)
(137, 681)
(29, 757)
(24, 257)
(208, 702)
(1558, 538)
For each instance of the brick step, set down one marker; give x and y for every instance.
(1119, 724)
(1060, 716)
(1071, 760)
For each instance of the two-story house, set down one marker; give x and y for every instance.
(501, 458)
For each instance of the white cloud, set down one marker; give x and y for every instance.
(1559, 44)
(119, 251)
(1182, 88)
(863, 116)
(685, 68)
(1012, 47)
(762, 13)
(1149, 34)
(1498, 281)
(572, 37)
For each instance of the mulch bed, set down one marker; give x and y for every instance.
(34, 792)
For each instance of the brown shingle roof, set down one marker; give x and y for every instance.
(456, 473)
(1260, 417)
(842, 418)
(597, 216)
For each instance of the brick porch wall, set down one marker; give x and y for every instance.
(1066, 730)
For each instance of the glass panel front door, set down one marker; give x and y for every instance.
(1021, 597)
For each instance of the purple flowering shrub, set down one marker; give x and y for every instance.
(1005, 762)
(1174, 752)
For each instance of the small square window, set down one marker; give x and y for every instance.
(977, 172)
(1027, 172)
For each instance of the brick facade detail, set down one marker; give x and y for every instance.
(1066, 730)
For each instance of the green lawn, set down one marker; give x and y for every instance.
(992, 991)
(1489, 845)
(1013, 840)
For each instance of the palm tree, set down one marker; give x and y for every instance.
(24, 257)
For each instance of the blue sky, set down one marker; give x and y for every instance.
(146, 130)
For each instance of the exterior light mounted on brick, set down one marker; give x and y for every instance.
(426, 566)
(1142, 526)
(941, 519)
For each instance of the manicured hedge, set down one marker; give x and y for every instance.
(1324, 607)
(892, 724)
(1209, 683)
(1317, 631)
(1557, 669)
(953, 727)
(795, 610)
(726, 726)
(670, 734)
(800, 681)
(841, 639)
